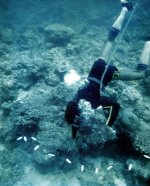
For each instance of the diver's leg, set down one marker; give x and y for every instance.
(145, 57)
(114, 31)
(139, 73)
(112, 107)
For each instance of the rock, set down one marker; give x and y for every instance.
(136, 130)
(28, 70)
(32, 114)
(24, 115)
(135, 117)
(11, 166)
(53, 150)
(58, 34)
(140, 139)
(7, 89)
(28, 39)
(52, 79)
(94, 131)
(130, 122)
(140, 168)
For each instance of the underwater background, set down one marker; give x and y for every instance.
(39, 41)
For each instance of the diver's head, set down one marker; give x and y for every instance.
(72, 111)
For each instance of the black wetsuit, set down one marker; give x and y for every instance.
(91, 91)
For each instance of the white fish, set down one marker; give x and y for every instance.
(82, 168)
(52, 155)
(130, 167)
(36, 147)
(33, 138)
(19, 138)
(68, 161)
(25, 138)
(146, 156)
(96, 171)
(110, 167)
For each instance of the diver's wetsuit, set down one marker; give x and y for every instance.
(91, 93)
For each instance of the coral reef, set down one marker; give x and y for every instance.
(11, 166)
(94, 134)
(40, 42)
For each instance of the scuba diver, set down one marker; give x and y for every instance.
(91, 92)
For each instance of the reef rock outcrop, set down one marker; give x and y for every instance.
(58, 34)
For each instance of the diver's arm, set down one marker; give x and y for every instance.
(130, 75)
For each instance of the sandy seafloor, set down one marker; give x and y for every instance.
(38, 41)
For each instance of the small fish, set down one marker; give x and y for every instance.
(25, 138)
(33, 138)
(19, 138)
(82, 168)
(68, 161)
(146, 156)
(96, 171)
(52, 155)
(130, 167)
(110, 167)
(36, 147)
